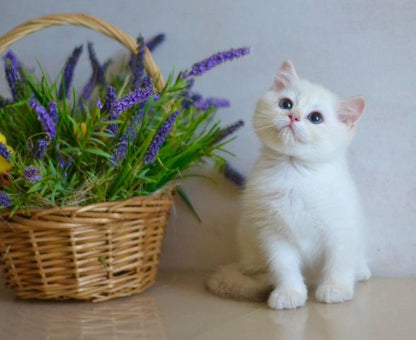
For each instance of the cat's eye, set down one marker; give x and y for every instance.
(315, 117)
(285, 104)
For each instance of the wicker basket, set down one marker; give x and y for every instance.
(96, 252)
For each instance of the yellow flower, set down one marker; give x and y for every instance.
(83, 127)
(5, 165)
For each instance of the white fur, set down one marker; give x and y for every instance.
(301, 221)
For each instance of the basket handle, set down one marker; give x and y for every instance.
(88, 21)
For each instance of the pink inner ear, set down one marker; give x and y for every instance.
(351, 110)
(285, 76)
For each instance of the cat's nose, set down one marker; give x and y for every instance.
(293, 117)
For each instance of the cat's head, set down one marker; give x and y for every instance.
(304, 120)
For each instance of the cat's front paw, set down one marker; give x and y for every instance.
(286, 298)
(334, 293)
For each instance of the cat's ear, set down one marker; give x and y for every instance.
(351, 109)
(285, 76)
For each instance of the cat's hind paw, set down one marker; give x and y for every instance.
(284, 298)
(363, 274)
(333, 293)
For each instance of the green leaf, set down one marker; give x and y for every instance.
(98, 152)
(188, 203)
(103, 261)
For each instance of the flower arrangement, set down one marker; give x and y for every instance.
(117, 138)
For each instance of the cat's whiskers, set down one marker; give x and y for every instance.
(265, 127)
(269, 113)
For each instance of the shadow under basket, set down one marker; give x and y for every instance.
(94, 253)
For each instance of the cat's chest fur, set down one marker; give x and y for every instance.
(296, 201)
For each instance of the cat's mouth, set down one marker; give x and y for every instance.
(290, 134)
(287, 134)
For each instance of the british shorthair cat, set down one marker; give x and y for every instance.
(301, 222)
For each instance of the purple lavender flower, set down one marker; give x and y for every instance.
(99, 104)
(191, 82)
(147, 83)
(205, 104)
(127, 102)
(130, 135)
(11, 58)
(61, 160)
(88, 88)
(110, 98)
(137, 64)
(119, 152)
(205, 65)
(136, 122)
(97, 75)
(196, 97)
(53, 112)
(190, 99)
(159, 138)
(69, 72)
(32, 174)
(41, 146)
(63, 164)
(228, 131)
(5, 201)
(4, 151)
(98, 70)
(233, 175)
(12, 77)
(48, 123)
(152, 43)
(12, 68)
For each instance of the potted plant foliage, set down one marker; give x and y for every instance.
(87, 177)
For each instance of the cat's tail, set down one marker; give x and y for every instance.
(230, 281)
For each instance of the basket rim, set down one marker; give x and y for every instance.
(168, 191)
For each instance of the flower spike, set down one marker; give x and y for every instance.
(198, 69)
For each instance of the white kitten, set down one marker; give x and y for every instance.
(301, 219)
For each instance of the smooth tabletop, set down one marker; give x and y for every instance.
(178, 307)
